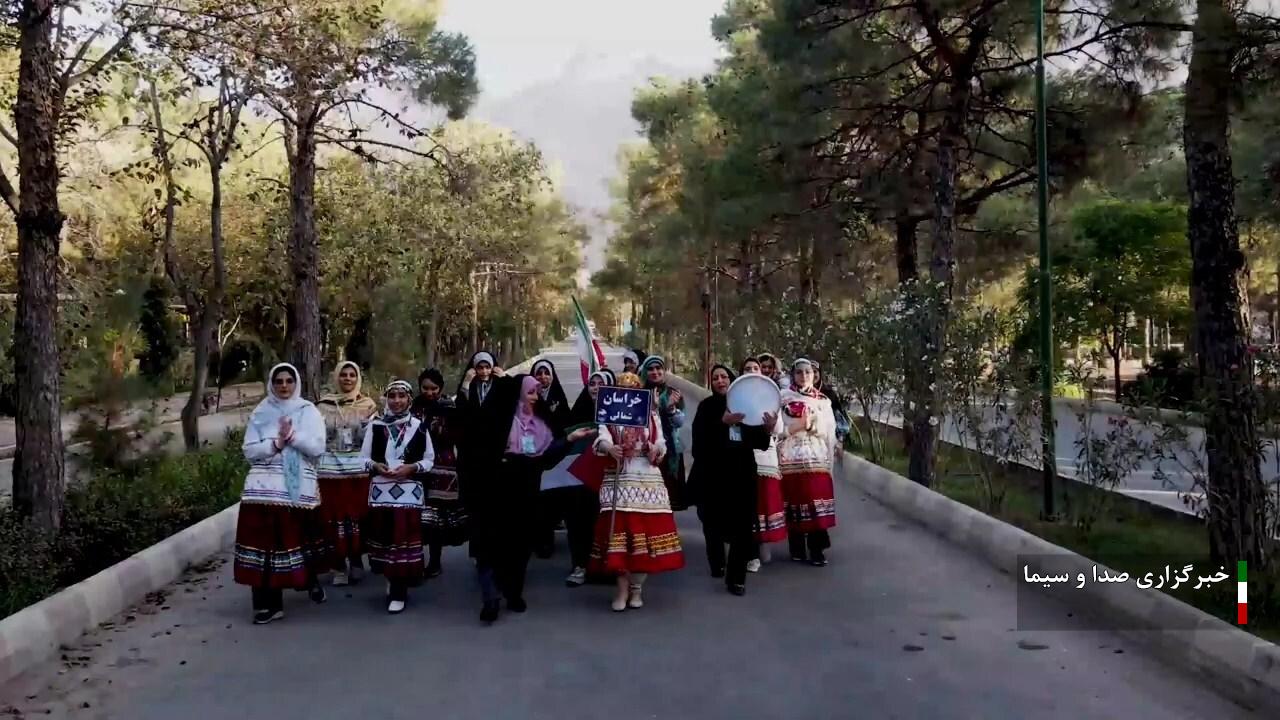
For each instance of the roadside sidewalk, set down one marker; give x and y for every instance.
(168, 410)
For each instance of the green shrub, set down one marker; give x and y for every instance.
(117, 513)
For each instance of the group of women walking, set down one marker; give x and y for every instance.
(505, 461)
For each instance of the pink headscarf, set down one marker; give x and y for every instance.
(526, 423)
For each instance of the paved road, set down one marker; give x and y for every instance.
(900, 625)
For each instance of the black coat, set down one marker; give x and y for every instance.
(723, 479)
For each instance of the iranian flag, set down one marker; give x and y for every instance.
(1242, 593)
(590, 356)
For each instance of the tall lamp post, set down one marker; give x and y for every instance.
(1048, 447)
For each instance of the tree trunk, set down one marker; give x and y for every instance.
(905, 249)
(206, 331)
(808, 270)
(925, 408)
(1237, 499)
(38, 481)
(433, 320)
(304, 255)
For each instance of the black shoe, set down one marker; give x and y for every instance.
(489, 613)
(316, 593)
(717, 573)
(819, 560)
(434, 570)
(738, 590)
(517, 605)
(799, 558)
(262, 617)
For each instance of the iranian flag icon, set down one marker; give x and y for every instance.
(1242, 594)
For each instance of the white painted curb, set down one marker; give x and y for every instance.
(35, 634)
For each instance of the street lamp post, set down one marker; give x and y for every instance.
(1048, 447)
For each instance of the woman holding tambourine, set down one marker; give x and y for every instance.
(804, 457)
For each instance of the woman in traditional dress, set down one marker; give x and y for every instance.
(559, 413)
(444, 517)
(636, 532)
(805, 455)
(502, 504)
(724, 481)
(397, 451)
(771, 514)
(670, 408)
(279, 536)
(344, 482)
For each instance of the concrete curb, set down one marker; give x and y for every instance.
(1240, 666)
(36, 633)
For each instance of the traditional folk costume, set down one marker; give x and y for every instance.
(636, 531)
(444, 517)
(771, 514)
(672, 419)
(279, 538)
(805, 457)
(343, 480)
(395, 503)
(724, 482)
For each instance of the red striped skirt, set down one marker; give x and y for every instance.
(641, 543)
(771, 512)
(810, 501)
(394, 539)
(344, 503)
(278, 547)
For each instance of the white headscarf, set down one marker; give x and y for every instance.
(265, 421)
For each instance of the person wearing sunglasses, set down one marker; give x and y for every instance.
(279, 536)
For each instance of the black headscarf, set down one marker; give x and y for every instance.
(584, 408)
(556, 401)
(471, 365)
(422, 407)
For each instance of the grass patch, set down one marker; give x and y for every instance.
(116, 513)
(1120, 537)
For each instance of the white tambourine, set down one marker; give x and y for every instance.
(754, 396)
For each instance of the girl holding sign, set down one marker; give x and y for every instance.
(636, 532)
(397, 450)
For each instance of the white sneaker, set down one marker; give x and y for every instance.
(395, 607)
(753, 566)
(340, 579)
(635, 601)
(577, 577)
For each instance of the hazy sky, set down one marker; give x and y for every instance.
(520, 42)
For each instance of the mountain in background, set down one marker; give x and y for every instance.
(579, 120)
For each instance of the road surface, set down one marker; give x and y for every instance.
(900, 625)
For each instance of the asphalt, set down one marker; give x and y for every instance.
(899, 625)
